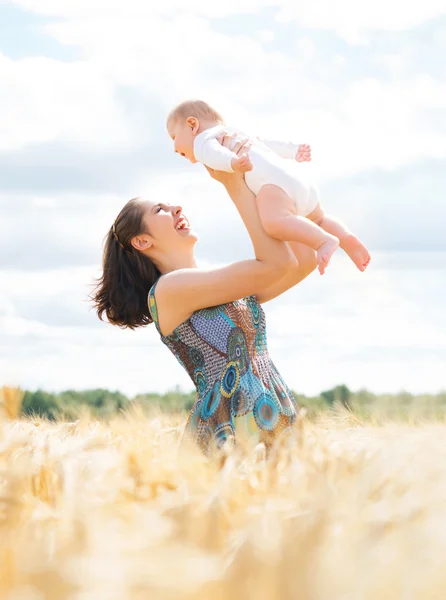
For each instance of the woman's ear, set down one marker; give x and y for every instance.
(142, 242)
(194, 124)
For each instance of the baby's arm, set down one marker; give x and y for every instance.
(289, 150)
(217, 157)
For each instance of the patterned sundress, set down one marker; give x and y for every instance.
(239, 390)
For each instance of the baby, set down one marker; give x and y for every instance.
(288, 205)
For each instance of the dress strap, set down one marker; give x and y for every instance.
(152, 306)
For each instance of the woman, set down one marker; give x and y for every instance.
(210, 319)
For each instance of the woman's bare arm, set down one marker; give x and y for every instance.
(306, 257)
(305, 264)
(182, 292)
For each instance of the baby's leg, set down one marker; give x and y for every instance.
(277, 213)
(348, 242)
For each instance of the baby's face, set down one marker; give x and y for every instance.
(183, 139)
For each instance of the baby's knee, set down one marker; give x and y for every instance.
(272, 226)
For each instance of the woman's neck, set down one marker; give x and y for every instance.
(174, 262)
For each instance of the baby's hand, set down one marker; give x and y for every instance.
(242, 163)
(304, 153)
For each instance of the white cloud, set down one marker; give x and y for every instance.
(175, 58)
(140, 9)
(353, 20)
(43, 100)
(265, 35)
(383, 329)
(46, 231)
(372, 124)
(352, 124)
(348, 18)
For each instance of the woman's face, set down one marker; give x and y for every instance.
(168, 227)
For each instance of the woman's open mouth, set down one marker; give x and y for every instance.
(182, 223)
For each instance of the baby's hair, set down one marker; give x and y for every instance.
(194, 108)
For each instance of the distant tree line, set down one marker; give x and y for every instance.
(103, 404)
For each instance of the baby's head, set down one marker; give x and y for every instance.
(188, 119)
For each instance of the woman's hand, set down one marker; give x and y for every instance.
(304, 153)
(239, 147)
(230, 180)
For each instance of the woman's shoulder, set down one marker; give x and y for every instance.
(166, 306)
(180, 293)
(173, 319)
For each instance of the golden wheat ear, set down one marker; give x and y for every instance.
(11, 399)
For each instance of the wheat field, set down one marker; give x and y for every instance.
(114, 511)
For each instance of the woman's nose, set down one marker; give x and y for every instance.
(177, 209)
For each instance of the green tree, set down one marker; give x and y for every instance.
(340, 393)
(40, 403)
(101, 402)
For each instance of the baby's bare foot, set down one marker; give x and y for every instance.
(356, 251)
(325, 252)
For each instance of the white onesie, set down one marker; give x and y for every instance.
(269, 166)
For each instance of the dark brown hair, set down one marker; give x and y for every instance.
(127, 274)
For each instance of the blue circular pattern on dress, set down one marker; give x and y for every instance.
(195, 415)
(239, 404)
(234, 389)
(255, 312)
(196, 356)
(201, 381)
(230, 379)
(237, 349)
(287, 407)
(210, 403)
(224, 433)
(266, 412)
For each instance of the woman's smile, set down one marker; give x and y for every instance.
(182, 224)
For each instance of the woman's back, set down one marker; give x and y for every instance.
(239, 390)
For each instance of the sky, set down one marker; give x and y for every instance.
(85, 86)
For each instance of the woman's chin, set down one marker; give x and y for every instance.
(193, 236)
(189, 235)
